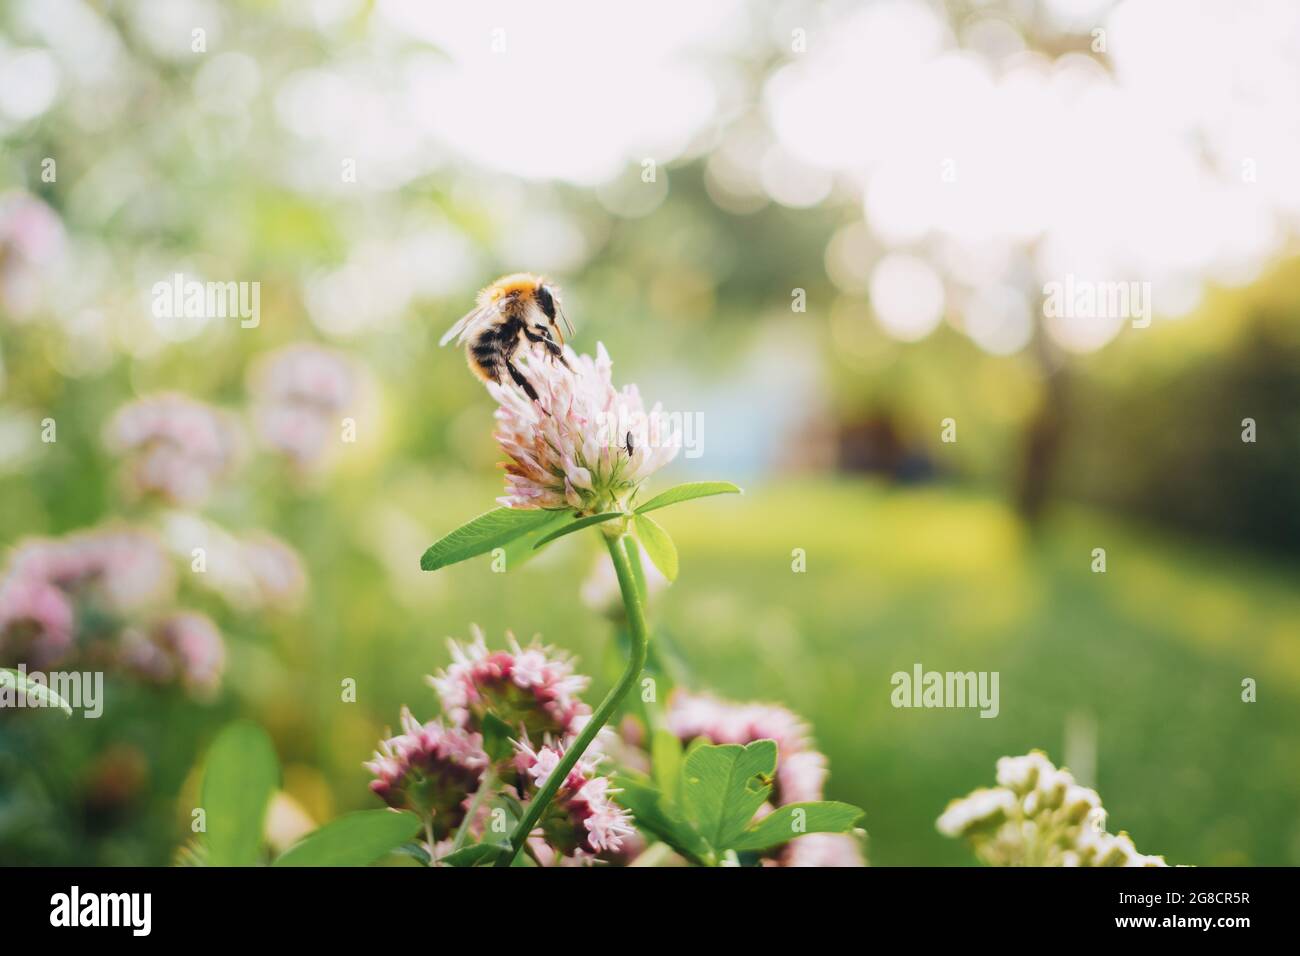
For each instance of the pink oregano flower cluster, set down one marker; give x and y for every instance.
(583, 444)
(437, 768)
(431, 769)
(583, 819)
(533, 690)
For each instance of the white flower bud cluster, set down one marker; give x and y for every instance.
(1038, 816)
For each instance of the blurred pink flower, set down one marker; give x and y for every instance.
(179, 447)
(532, 689)
(36, 622)
(299, 394)
(275, 568)
(821, 849)
(49, 582)
(124, 568)
(724, 722)
(570, 447)
(431, 769)
(801, 776)
(120, 569)
(582, 821)
(183, 648)
(31, 239)
(251, 571)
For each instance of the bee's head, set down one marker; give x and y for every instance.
(548, 301)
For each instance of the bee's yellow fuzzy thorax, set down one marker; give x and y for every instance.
(506, 285)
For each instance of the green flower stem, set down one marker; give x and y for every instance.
(632, 602)
(638, 569)
(653, 712)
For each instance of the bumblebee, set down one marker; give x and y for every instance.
(513, 309)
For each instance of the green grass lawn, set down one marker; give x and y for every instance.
(1153, 653)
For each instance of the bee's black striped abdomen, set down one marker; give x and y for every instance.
(490, 353)
(486, 357)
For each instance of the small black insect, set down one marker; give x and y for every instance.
(629, 445)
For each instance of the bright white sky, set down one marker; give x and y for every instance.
(974, 160)
(982, 171)
(1177, 167)
(568, 90)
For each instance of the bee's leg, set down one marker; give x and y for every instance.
(556, 352)
(552, 347)
(519, 380)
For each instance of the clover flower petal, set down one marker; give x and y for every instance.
(583, 444)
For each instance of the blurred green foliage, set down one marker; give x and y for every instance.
(1153, 652)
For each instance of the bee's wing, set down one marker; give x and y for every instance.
(468, 322)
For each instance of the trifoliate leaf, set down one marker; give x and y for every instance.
(794, 820)
(722, 787)
(657, 816)
(666, 763)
